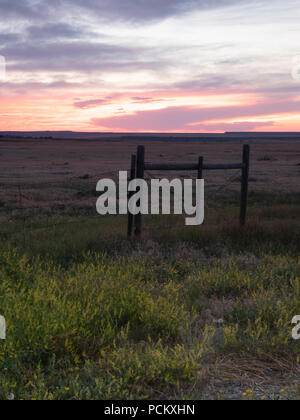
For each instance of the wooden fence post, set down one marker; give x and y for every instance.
(245, 184)
(130, 194)
(140, 169)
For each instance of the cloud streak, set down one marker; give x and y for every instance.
(128, 10)
(141, 10)
(92, 103)
(193, 119)
(52, 31)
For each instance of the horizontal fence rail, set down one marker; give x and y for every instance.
(191, 166)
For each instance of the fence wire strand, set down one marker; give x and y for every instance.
(23, 229)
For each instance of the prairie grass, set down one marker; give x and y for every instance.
(91, 315)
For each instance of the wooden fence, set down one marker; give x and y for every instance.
(139, 166)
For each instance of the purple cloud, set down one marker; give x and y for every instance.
(16, 8)
(141, 10)
(132, 10)
(145, 100)
(26, 9)
(93, 103)
(233, 127)
(53, 30)
(76, 55)
(184, 118)
(7, 38)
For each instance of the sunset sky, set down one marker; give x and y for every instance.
(150, 65)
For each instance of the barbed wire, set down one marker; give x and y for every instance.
(235, 177)
(229, 181)
(26, 229)
(23, 208)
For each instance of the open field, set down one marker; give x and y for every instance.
(65, 172)
(192, 313)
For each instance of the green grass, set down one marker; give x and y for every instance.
(91, 315)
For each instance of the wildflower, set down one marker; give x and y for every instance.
(67, 388)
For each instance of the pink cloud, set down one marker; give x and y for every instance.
(195, 119)
(237, 126)
(93, 103)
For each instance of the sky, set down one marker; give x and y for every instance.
(150, 65)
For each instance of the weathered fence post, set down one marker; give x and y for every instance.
(245, 184)
(140, 169)
(130, 194)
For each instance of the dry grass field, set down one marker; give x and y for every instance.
(63, 172)
(192, 313)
